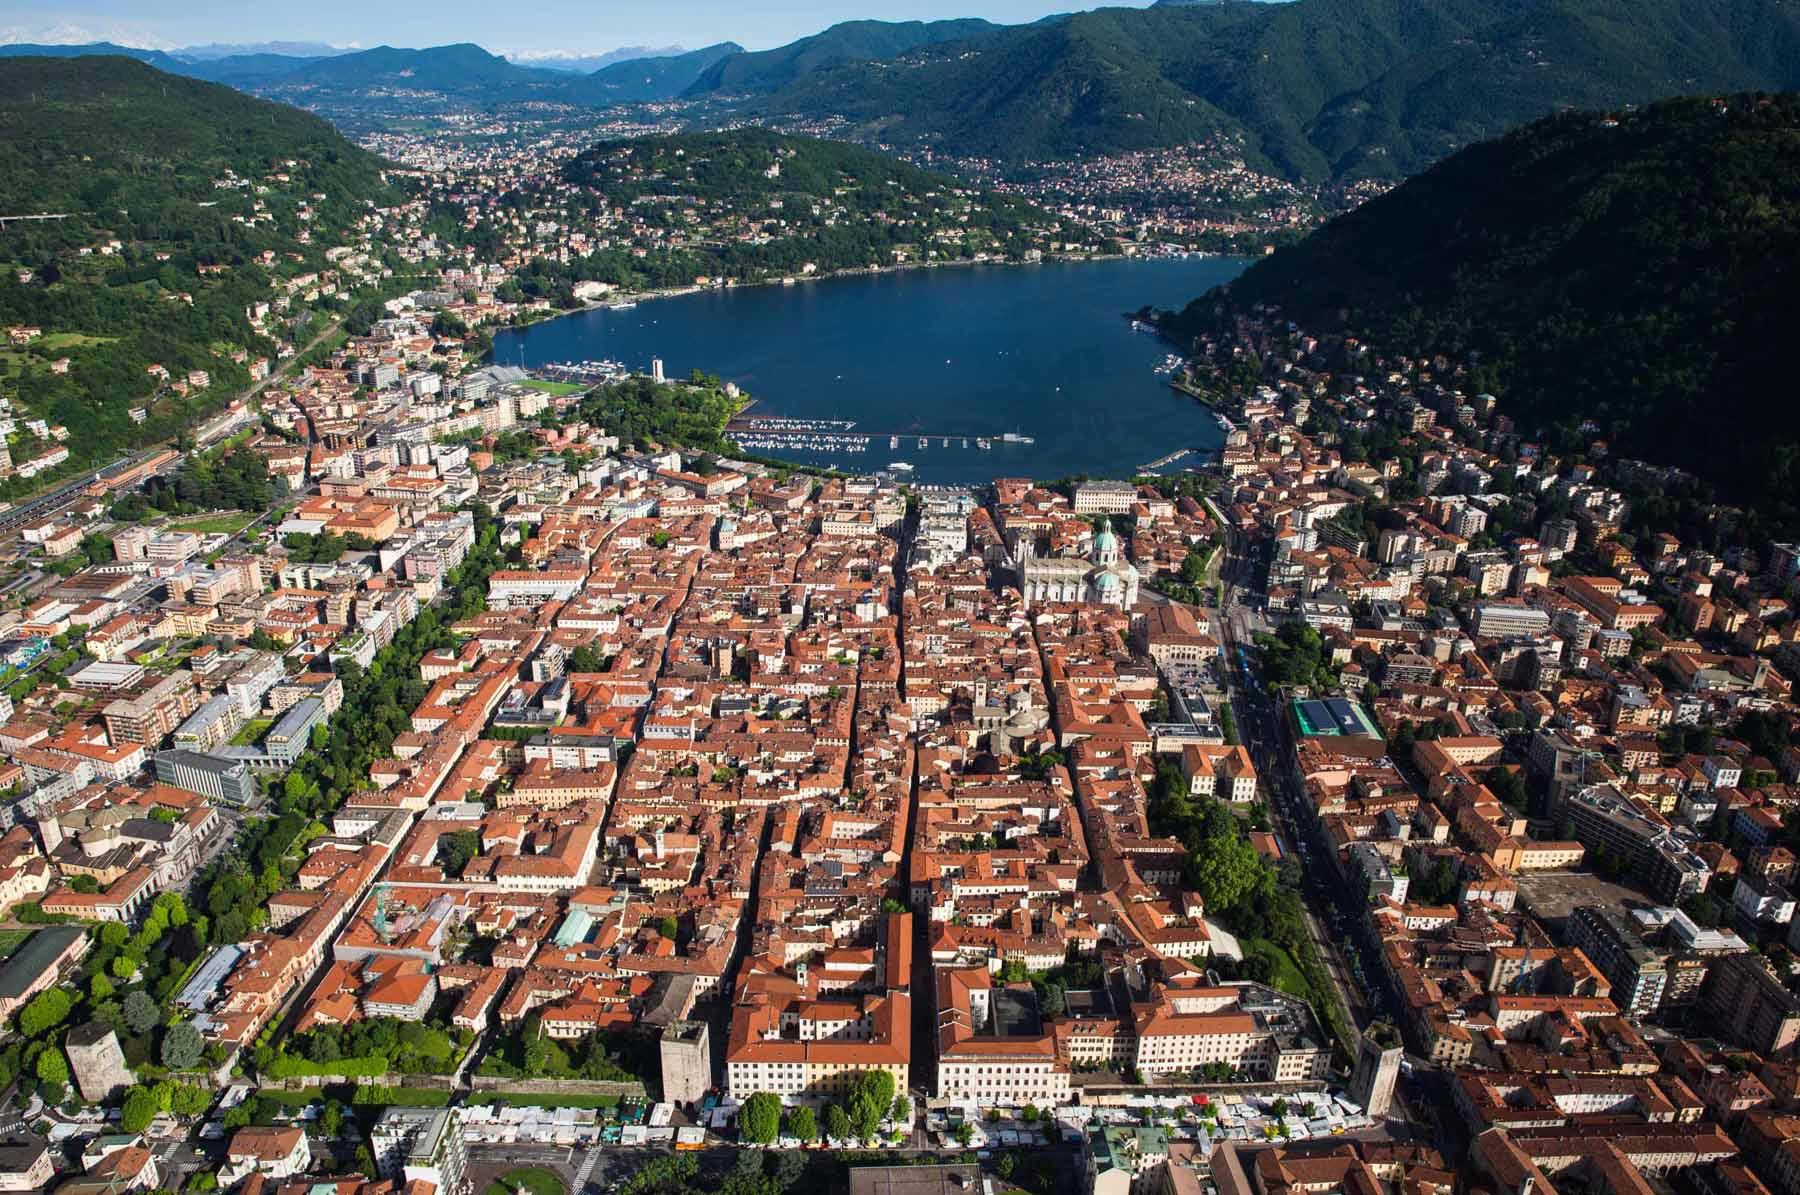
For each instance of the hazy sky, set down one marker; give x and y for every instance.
(575, 26)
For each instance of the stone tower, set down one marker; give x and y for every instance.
(97, 1061)
(1378, 1053)
(686, 1062)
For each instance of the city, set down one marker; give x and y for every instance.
(427, 768)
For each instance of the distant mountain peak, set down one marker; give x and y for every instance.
(69, 33)
(587, 62)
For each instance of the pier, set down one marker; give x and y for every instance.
(1167, 459)
(840, 435)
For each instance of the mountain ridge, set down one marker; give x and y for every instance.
(1625, 267)
(1319, 89)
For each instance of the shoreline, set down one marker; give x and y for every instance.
(1130, 287)
(588, 307)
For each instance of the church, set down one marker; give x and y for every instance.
(1103, 576)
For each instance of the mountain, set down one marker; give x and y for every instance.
(850, 41)
(243, 70)
(587, 64)
(281, 49)
(156, 58)
(642, 80)
(1630, 268)
(160, 180)
(461, 69)
(754, 205)
(1318, 89)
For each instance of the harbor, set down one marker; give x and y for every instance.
(784, 433)
(947, 356)
(582, 373)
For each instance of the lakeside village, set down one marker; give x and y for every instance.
(455, 777)
(1197, 196)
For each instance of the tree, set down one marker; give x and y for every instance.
(142, 1106)
(100, 988)
(1008, 1163)
(48, 1009)
(182, 1046)
(865, 1114)
(901, 1111)
(668, 927)
(964, 1133)
(140, 1010)
(880, 1087)
(52, 1067)
(190, 1099)
(837, 1123)
(803, 1123)
(790, 1167)
(124, 966)
(759, 1120)
(456, 849)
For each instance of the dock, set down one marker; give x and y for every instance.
(833, 435)
(1167, 459)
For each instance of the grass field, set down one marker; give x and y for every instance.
(228, 523)
(1284, 973)
(556, 388)
(11, 940)
(69, 340)
(533, 1179)
(252, 732)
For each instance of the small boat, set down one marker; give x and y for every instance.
(900, 466)
(627, 305)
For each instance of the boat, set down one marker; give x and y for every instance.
(626, 305)
(1016, 438)
(924, 443)
(900, 466)
(984, 442)
(893, 442)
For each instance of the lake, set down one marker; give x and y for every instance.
(970, 351)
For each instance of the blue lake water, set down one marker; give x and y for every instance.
(1041, 351)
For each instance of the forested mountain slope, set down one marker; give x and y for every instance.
(1634, 268)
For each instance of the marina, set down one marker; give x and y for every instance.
(789, 433)
(582, 373)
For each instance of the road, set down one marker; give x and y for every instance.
(32, 509)
(1345, 937)
(1261, 729)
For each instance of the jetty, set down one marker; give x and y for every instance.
(1167, 459)
(842, 435)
